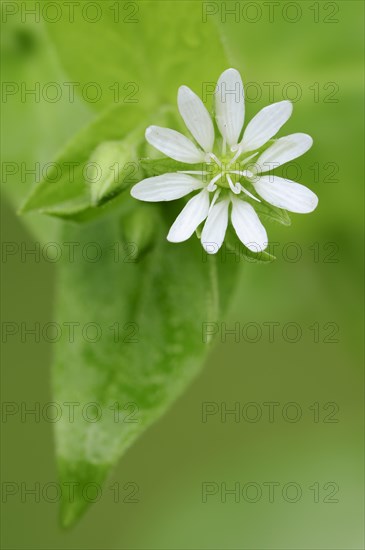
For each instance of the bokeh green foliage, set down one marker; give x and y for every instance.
(180, 452)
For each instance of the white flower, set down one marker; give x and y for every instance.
(223, 182)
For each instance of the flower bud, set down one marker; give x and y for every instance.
(112, 167)
(139, 227)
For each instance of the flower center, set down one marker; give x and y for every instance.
(224, 174)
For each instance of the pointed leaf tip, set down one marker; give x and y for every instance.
(81, 484)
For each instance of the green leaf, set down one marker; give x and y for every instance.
(262, 257)
(140, 52)
(114, 167)
(45, 125)
(163, 165)
(272, 213)
(80, 210)
(101, 161)
(240, 252)
(140, 226)
(147, 319)
(66, 187)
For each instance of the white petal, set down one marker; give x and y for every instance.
(174, 145)
(196, 117)
(283, 150)
(230, 105)
(166, 187)
(286, 194)
(215, 227)
(189, 218)
(265, 125)
(248, 226)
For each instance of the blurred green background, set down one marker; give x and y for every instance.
(317, 46)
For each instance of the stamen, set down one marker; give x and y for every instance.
(250, 157)
(216, 159)
(249, 194)
(214, 200)
(236, 189)
(245, 173)
(235, 157)
(211, 185)
(239, 152)
(198, 172)
(224, 147)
